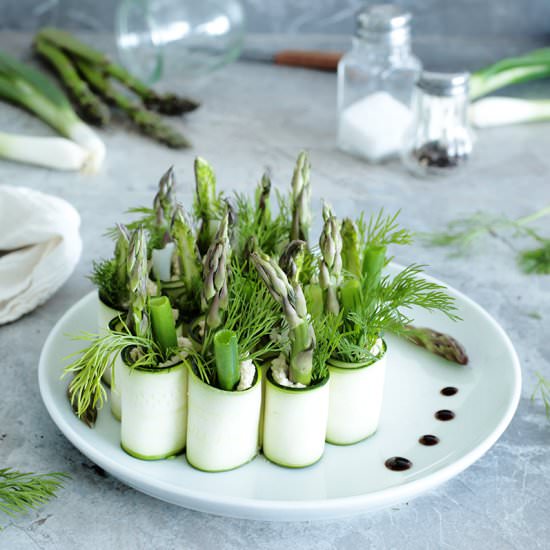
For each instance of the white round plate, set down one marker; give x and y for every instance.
(347, 480)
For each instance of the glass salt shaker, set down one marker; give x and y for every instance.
(375, 84)
(439, 138)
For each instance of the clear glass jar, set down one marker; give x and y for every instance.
(375, 84)
(439, 138)
(180, 38)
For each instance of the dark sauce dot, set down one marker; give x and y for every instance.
(444, 415)
(429, 440)
(398, 463)
(449, 390)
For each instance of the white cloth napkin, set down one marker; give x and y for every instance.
(40, 246)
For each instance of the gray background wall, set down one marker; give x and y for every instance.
(449, 17)
(447, 34)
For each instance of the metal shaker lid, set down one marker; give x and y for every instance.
(444, 84)
(382, 19)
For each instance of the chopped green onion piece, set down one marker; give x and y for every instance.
(227, 359)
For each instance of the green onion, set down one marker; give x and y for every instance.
(513, 70)
(31, 90)
(163, 324)
(51, 152)
(373, 263)
(227, 359)
(500, 111)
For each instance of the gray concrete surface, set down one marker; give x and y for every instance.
(256, 116)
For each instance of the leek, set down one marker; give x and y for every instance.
(30, 89)
(51, 152)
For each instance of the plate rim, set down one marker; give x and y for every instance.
(250, 508)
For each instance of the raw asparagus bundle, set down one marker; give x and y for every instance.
(293, 303)
(85, 70)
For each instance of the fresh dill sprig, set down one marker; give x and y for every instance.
(23, 491)
(250, 315)
(328, 337)
(543, 390)
(382, 230)
(408, 289)
(104, 278)
(85, 390)
(461, 234)
(271, 234)
(536, 260)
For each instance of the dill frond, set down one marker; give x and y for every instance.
(328, 337)
(85, 389)
(536, 260)
(382, 230)
(104, 277)
(23, 491)
(459, 235)
(250, 315)
(271, 234)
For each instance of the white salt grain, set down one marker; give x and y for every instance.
(374, 126)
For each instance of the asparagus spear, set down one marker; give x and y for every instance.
(301, 192)
(205, 203)
(214, 297)
(148, 122)
(302, 336)
(436, 342)
(263, 210)
(188, 261)
(121, 262)
(330, 265)
(138, 318)
(169, 104)
(90, 107)
(350, 248)
(164, 204)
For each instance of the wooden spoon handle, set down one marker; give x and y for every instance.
(322, 61)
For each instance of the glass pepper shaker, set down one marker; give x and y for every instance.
(375, 84)
(439, 138)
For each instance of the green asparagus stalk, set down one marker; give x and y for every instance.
(188, 265)
(164, 204)
(169, 104)
(214, 297)
(138, 318)
(205, 203)
(90, 107)
(350, 248)
(163, 325)
(301, 193)
(330, 265)
(227, 359)
(148, 122)
(121, 262)
(263, 210)
(302, 336)
(436, 342)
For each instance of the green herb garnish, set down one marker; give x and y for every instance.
(461, 234)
